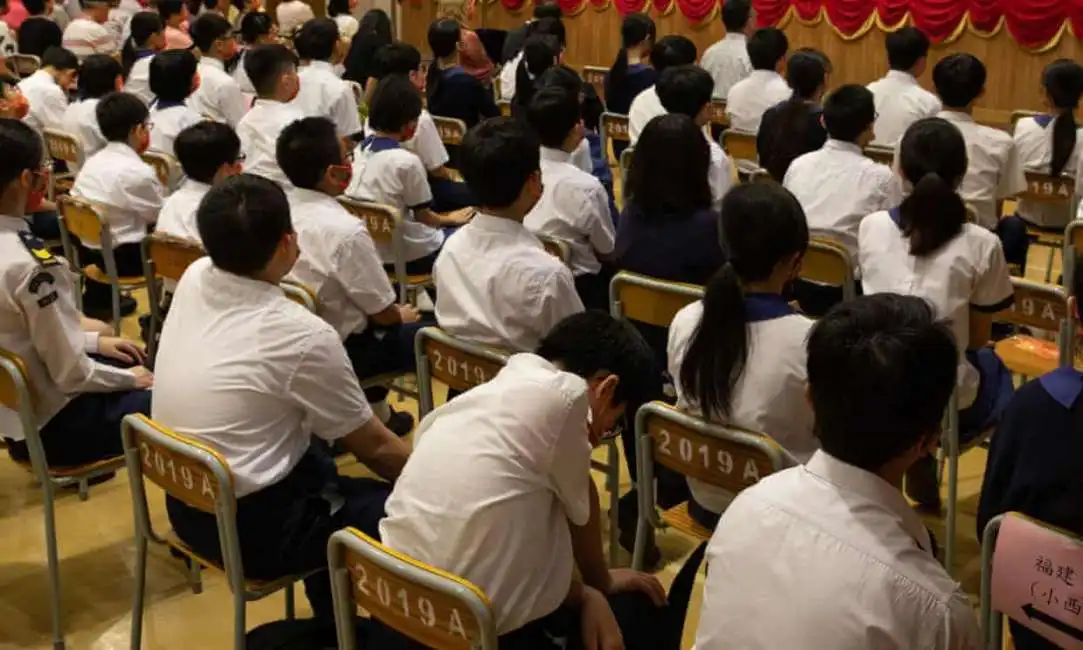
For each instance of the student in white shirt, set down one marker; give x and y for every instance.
(173, 78)
(793, 127)
(291, 14)
(323, 93)
(218, 97)
(543, 26)
(273, 71)
(727, 60)
(340, 11)
(88, 34)
(583, 157)
(927, 248)
(99, 75)
(175, 16)
(256, 29)
(669, 51)
(147, 38)
(47, 89)
(749, 98)
(540, 53)
(252, 374)
(900, 99)
(499, 492)
(208, 153)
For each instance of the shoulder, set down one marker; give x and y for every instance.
(979, 242)
(995, 138)
(875, 223)
(686, 320)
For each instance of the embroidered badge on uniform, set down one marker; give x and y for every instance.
(37, 249)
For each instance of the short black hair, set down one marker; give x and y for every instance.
(59, 58)
(959, 79)
(496, 158)
(443, 37)
(881, 369)
(905, 47)
(848, 112)
(735, 14)
(685, 89)
(306, 148)
(672, 50)
(766, 47)
(255, 24)
(547, 10)
(34, 7)
(591, 342)
(241, 222)
(172, 73)
(22, 150)
(396, 58)
(805, 73)
(118, 114)
(395, 103)
(265, 65)
(552, 26)
(98, 76)
(204, 147)
(209, 28)
(316, 39)
(553, 113)
(169, 8)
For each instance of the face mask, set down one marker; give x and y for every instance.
(143, 143)
(340, 175)
(410, 132)
(36, 196)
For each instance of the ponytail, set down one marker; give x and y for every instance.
(636, 29)
(443, 38)
(617, 72)
(127, 57)
(539, 54)
(932, 215)
(1063, 84)
(1064, 137)
(432, 82)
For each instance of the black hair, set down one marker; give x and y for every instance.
(567, 78)
(395, 103)
(552, 26)
(496, 158)
(540, 53)
(805, 73)
(959, 79)
(337, 7)
(22, 150)
(35, 7)
(1063, 83)
(685, 89)
(59, 58)
(668, 177)
(254, 25)
(766, 47)
(790, 130)
(141, 27)
(547, 10)
(207, 29)
(171, 75)
(241, 222)
(316, 39)
(879, 363)
(672, 50)
(443, 40)
(204, 147)
(828, 68)
(636, 29)
(396, 58)
(848, 112)
(98, 76)
(553, 113)
(373, 32)
(932, 157)
(265, 65)
(305, 150)
(593, 342)
(119, 114)
(905, 47)
(735, 15)
(762, 225)
(169, 8)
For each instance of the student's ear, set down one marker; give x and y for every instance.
(781, 67)
(118, 83)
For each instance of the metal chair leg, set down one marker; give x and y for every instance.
(114, 295)
(290, 607)
(84, 489)
(238, 619)
(54, 568)
(195, 578)
(612, 480)
(139, 595)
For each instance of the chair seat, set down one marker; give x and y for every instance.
(78, 471)
(422, 279)
(679, 519)
(95, 273)
(257, 588)
(1028, 356)
(1046, 237)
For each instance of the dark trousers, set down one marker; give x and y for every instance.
(1012, 231)
(44, 225)
(284, 528)
(593, 288)
(816, 299)
(449, 195)
(129, 259)
(995, 390)
(380, 350)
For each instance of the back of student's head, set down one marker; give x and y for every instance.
(497, 158)
(906, 47)
(395, 103)
(34, 7)
(932, 158)
(396, 58)
(167, 9)
(241, 223)
(443, 38)
(849, 112)
(119, 114)
(59, 58)
(636, 30)
(305, 150)
(547, 10)
(763, 233)
(735, 15)
(540, 53)
(1063, 84)
(672, 50)
(207, 29)
(172, 74)
(881, 369)
(98, 76)
(806, 75)
(548, 27)
(22, 151)
(142, 28)
(685, 89)
(959, 79)
(266, 64)
(204, 147)
(668, 178)
(766, 47)
(254, 26)
(819, 54)
(316, 40)
(553, 113)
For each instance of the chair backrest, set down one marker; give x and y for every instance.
(171, 256)
(880, 153)
(1020, 114)
(24, 65)
(358, 92)
(300, 293)
(1042, 306)
(381, 220)
(82, 219)
(556, 247)
(63, 146)
(614, 126)
(164, 166)
(504, 106)
(1046, 188)
(450, 129)
(649, 300)
(740, 145)
(16, 393)
(459, 364)
(718, 113)
(625, 165)
(828, 262)
(595, 76)
(430, 606)
(761, 176)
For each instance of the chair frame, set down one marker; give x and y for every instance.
(732, 133)
(15, 59)
(80, 156)
(398, 243)
(882, 154)
(1066, 330)
(426, 401)
(155, 286)
(558, 248)
(445, 124)
(607, 132)
(163, 162)
(1056, 241)
(828, 247)
(624, 165)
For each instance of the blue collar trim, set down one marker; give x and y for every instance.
(1064, 385)
(454, 70)
(896, 216)
(765, 306)
(1043, 120)
(161, 105)
(142, 54)
(378, 143)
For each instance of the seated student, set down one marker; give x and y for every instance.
(99, 75)
(794, 127)
(47, 89)
(39, 32)
(218, 96)
(125, 189)
(574, 207)
(671, 50)
(540, 53)
(173, 78)
(686, 89)
(268, 375)
(513, 44)
(373, 32)
(79, 400)
(588, 156)
(209, 153)
(256, 28)
(450, 90)
(749, 98)
(878, 363)
(496, 284)
(738, 356)
(900, 99)
(631, 72)
(147, 38)
(273, 71)
(340, 12)
(499, 492)
(174, 15)
(728, 60)
(543, 26)
(927, 248)
(292, 14)
(323, 93)
(87, 33)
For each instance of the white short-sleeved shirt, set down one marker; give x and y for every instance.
(727, 61)
(1033, 138)
(720, 174)
(838, 186)
(219, 96)
(508, 78)
(574, 208)
(125, 188)
(178, 215)
(426, 143)
(81, 121)
(241, 77)
(385, 172)
(749, 99)
(494, 479)
(259, 367)
(347, 26)
(828, 528)
(138, 82)
(291, 15)
(324, 94)
(496, 285)
(48, 101)
(645, 107)
(167, 121)
(969, 272)
(338, 261)
(900, 101)
(770, 395)
(8, 43)
(84, 37)
(258, 131)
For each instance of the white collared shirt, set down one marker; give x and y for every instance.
(338, 261)
(81, 121)
(178, 215)
(749, 99)
(719, 175)
(241, 77)
(324, 94)
(645, 107)
(291, 15)
(264, 373)
(900, 101)
(347, 26)
(219, 96)
(969, 272)
(166, 125)
(258, 131)
(574, 208)
(47, 99)
(426, 143)
(84, 37)
(727, 61)
(828, 528)
(138, 82)
(1034, 144)
(838, 186)
(496, 285)
(508, 78)
(125, 189)
(505, 466)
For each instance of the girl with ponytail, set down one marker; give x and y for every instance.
(450, 90)
(540, 53)
(738, 356)
(147, 38)
(630, 73)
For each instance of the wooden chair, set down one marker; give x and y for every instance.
(614, 128)
(625, 166)
(23, 65)
(460, 364)
(740, 145)
(1020, 114)
(718, 113)
(649, 300)
(429, 606)
(505, 107)
(165, 167)
(63, 146)
(451, 131)
(881, 154)
(165, 259)
(301, 293)
(595, 76)
(196, 474)
(385, 226)
(1039, 306)
(556, 247)
(1047, 189)
(17, 394)
(1073, 246)
(828, 262)
(725, 457)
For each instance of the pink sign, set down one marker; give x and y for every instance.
(1038, 580)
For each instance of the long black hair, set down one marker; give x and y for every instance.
(635, 30)
(806, 74)
(444, 35)
(540, 53)
(668, 178)
(932, 157)
(762, 225)
(1063, 83)
(373, 32)
(142, 26)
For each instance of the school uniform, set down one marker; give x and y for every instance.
(1033, 139)
(749, 98)
(447, 195)
(645, 107)
(178, 215)
(39, 33)
(292, 14)
(84, 37)
(727, 61)
(167, 120)
(241, 77)
(497, 286)
(324, 94)
(47, 100)
(638, 78)
(347, 26)
(776, 147)
(674, 247)
(459, 95)
(900, 101)
(219, 96)
(176, 39)
(845, 532)
(258, 131)
(508, 77)
(719, 174)
(81, 121)
(138, 82)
